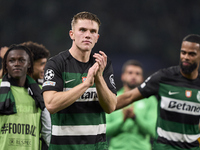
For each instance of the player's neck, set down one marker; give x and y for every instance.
(17, 81)
(191, 76)
(80, 55)
(126, 88)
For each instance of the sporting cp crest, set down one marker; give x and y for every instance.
(188, 93)
(84, 78)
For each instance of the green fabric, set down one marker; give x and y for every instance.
(75, 77)
(21, 131)
(7, 100)
(184, 130)
(132, 134)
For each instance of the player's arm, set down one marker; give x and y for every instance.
(146, 89)
(56, 101)
(128, 98)
(107, 98)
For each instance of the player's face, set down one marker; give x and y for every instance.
(133, 76)
(189, 57)
(17, 63)
(85, 34)
(38, 68)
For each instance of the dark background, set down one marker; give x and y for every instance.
(150, 31)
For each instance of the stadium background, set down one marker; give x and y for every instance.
(150, 31)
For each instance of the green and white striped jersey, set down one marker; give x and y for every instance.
(82, 125)
(178, 109)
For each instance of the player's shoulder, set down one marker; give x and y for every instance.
(173, 70)
(170, 72)
(61, 56)
(109, 61)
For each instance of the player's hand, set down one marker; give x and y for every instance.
(101, 59)
(128, 113)
(3, 50)
(91, 73)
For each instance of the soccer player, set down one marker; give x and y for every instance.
(133, 126)
(21, 102)
(40, 56)
(79, 88)
(179, 99)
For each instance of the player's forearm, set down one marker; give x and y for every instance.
(56, 101)
(107, 98)
(123, 100)
(107, 101)
(128, 98)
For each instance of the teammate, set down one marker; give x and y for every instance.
(21, 102)
(179, 96)
(132, 127)
(78, 89)
(40, 56)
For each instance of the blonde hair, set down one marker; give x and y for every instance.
(85, 15)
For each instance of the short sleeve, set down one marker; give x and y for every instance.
(53, 76)
(151, 85)
(109, 77)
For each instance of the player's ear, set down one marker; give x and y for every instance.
(97, 38)
(71, 34)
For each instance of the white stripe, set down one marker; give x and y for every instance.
(5, 84)
(89, 89)
(180, 106)
(78, 130)
(177, 137)
(84, 100)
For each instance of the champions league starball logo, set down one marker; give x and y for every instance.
(49, 74)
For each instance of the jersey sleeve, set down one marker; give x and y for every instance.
(151, 85)
(53, 77)
(109, 77)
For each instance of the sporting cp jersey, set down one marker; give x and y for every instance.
(82, 125)
(21, 131)
(178, 109)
